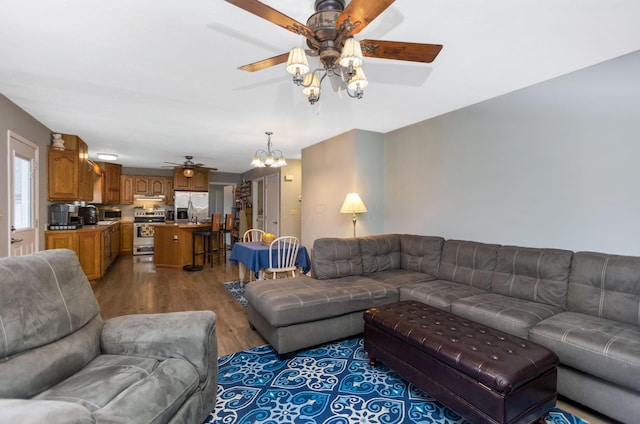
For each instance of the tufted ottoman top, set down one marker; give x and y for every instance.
(496, 359)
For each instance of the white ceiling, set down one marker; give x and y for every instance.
(156, 80)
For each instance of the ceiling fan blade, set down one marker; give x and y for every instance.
(272, 15)
(413, 52)
(172, 163)
(364, 11)
(266, 63)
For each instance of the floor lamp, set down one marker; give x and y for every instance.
(353, 204)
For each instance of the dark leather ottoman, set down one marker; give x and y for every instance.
(483, 374)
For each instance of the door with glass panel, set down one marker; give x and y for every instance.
(23, 195)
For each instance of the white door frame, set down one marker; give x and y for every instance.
(35, 201)
(272, 204)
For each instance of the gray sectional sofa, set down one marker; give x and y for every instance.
(61, 363)
(584, 306)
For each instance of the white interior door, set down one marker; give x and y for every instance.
(272, 204)
(23, 195)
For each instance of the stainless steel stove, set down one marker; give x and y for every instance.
(143, 229)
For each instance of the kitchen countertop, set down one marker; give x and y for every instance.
(187, 225)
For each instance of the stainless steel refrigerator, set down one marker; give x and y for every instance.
(196, 203)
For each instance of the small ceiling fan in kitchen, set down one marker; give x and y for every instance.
(188, 166)
(329, 34)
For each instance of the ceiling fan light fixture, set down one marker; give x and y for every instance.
(351, 56)
(188, 172)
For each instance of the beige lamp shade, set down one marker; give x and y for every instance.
(297, 62)
(353, 204)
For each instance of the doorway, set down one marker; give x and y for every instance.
(23, 195)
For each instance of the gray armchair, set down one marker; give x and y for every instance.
(61, 363)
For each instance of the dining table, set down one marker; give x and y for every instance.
(255, 256)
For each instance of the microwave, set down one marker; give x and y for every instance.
(110, 214)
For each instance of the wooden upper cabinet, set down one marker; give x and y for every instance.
(199, 181)
(70, 173)
(168, 191)
(111, 183)
(140, 185)
(156, 185)
(126, 189)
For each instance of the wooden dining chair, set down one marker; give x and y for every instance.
(283, 252)
(253, 234)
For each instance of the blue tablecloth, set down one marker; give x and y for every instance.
(255, 256)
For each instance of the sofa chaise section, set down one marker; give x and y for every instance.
(348, 277)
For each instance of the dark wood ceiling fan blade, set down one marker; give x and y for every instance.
(272, 15)
(398, 50)
(265, 63)
(364, 11)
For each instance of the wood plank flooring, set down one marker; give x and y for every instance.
(132, 285)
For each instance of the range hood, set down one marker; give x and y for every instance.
(151, 197)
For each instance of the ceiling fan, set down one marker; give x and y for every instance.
(188, 166)
(329, 34)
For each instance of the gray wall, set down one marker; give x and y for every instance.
(552, 165)
(350, 162)
(13, 118)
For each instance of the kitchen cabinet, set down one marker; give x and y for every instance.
(126, 189)
(199, 181)
(70, 173)
(168, 191)
(93, 244)
(111, 183)
(148, 186)
(126, 238)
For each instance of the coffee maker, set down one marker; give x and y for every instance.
(182, 215)
(89, 214)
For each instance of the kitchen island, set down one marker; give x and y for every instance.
(173, 244)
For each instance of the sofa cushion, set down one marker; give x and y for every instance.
(468, 262)
(335, 258)
(380, 253)
(397, 278)
(606, 286)
(288, 301)
(114, 387)
(596, 346)
(420, 253)
(438, 293)
(509, 314)
(538, 275)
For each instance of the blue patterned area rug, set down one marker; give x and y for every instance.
(330, 384)
(236, 291)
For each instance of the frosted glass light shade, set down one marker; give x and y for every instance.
(297, 62)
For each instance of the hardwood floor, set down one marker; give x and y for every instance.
(132, 285)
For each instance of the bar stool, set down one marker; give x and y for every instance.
(205, 243)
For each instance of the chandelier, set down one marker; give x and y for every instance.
(269, 158)
(347, 67)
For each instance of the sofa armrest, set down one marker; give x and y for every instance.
(43, 411)
(182, 335)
